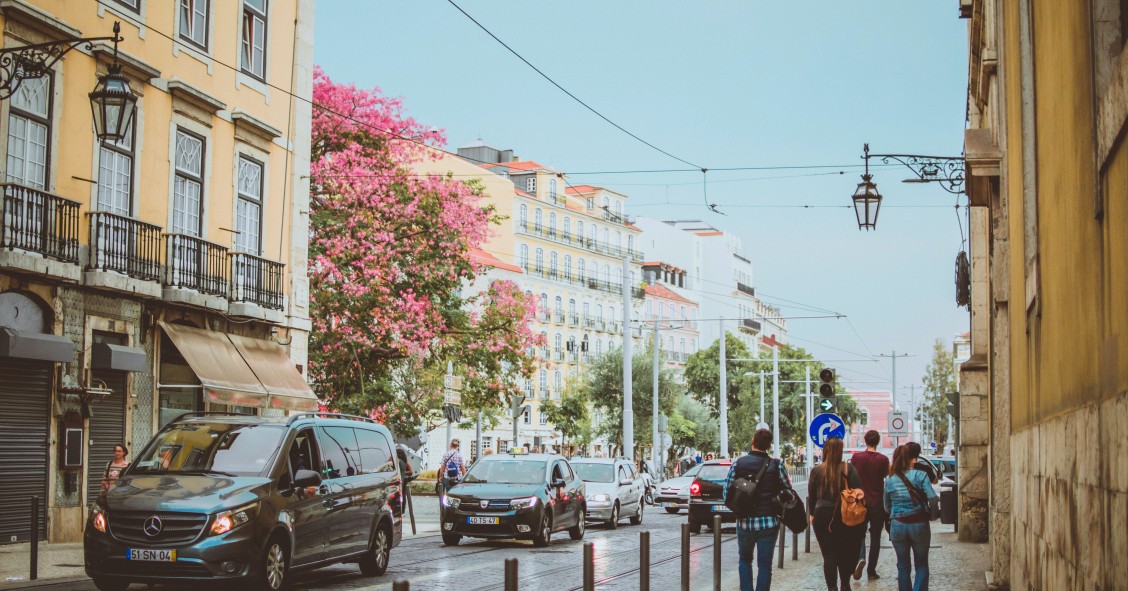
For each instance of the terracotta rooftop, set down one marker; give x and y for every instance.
(661, 291)
(519, 165)
(483, 258)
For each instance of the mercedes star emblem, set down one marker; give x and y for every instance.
(152, 526)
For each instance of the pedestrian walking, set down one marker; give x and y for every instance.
(913, 449)
(115, 467)
(451, 467)
(872, 467)
(838, 542)
(756, 535)
(907, 493)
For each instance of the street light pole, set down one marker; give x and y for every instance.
(762, 396)
(722, 404)
(775, 401)
(654, 427)
(628, 354)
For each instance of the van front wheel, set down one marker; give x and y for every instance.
(271, 569)
(375, 563)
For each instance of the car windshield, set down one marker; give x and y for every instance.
(211, 448)
(692, 472)
(714, 472)
(507, 472)
(595, 472)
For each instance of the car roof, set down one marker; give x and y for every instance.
(508, 456)
(284, 421)
(597, 460)
(721, 462)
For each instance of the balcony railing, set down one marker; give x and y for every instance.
(574, 319)
(748, 289)
(559, 317)
(748, 323)
(591, 244)
(40, 222)
(194, 263)
(256, 280)
(125, 245)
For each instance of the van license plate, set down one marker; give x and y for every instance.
(721, 509)
(151, 555)
(669, 504)
(482, 520)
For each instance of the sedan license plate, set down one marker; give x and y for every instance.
(669, 504)
(482, 520)
(721, 509)
(151, 555)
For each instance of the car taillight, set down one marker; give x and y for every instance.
(695, 489)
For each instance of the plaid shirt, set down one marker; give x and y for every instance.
(763, 522)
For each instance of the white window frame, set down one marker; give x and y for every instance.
(193, 33)
(107, 191)
(242, 198)
(531, 185)
(28, 118)
(188, 177)
(251, 15)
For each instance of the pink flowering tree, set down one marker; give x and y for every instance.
(389, 258)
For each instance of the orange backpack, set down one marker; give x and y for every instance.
(852, 506)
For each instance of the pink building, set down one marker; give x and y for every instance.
(675, 314)
(875, 407)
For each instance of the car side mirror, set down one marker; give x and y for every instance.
(626, 482)
(558, 483)
(306, 478)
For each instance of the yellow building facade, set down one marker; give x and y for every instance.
(137, 277)
(1045, 420)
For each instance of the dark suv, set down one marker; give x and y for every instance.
(217, 498)
(706, 495)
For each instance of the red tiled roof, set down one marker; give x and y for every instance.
(524, 193)
(661, 291)
(481, 257)
(712, 233)
(519, 165)
(581, 189)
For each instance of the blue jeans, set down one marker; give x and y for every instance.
(762, 543)
(911, 538)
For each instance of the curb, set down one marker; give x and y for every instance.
(6, 585)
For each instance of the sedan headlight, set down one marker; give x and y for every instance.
(523, 503)
(452, 502)
(600, 498)
(233, 519)
(99, 518)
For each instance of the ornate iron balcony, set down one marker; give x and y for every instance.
(257, 281)
(195, 263)
(125, 245)
(36, 221)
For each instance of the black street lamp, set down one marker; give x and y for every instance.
(112, 100)
(946, 170)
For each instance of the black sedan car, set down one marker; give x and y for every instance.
(522, 496)
(706, 496)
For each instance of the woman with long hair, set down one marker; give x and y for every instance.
(838, 542)
(907, 492)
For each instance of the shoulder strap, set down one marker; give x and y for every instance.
(914, 492)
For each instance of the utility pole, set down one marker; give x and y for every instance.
(478, 437)
(775, 401)
(450, 376)
(513, 417)
(654, 436)
(722, 404)
(894, 356)
(807, 399)
(762, 397)
(628, 354)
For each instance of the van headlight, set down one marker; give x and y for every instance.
(233, 519)
(523, 503)
(99, 518)
(452, 502)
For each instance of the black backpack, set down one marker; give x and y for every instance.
(741, 497)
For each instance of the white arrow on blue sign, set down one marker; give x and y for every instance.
(825, 426)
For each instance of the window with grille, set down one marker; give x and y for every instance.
(115, 176)
(29, 133)
(194, 22)
(552, 188)
(188, 183)
(248, 223)
(543, 419)
(254, 38)
(531, 185)
(524, 257)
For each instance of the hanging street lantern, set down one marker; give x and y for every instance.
(113, 101)
(867, 201)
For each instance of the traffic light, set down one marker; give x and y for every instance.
(516, 410)
(826, 389)
(954, 404)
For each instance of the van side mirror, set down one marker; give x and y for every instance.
(626, 482)
(558, 483)
(306, 478)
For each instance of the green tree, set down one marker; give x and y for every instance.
(604, 388)
(570, 416)
(692, 425)
(939, 379)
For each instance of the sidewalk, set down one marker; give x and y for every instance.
(953, 566)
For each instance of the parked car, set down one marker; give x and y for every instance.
(673, 494)
(614, 489)
(706, 496)
(515, 495)
(217, 498)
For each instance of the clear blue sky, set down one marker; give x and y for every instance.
(720, 84)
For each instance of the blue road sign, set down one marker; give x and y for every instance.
(825, 426)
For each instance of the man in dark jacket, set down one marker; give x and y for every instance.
(757, 534)
(872, 467)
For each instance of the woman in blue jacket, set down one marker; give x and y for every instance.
(906, 497)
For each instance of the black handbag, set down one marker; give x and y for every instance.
(793, 514)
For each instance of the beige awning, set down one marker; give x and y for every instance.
(242, 371)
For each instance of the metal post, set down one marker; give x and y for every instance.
(807, 535)
(644, 561)
(782, 545)
(401, 585)
(777, 436)
(654, 437)
(896, 440)
(410, 506)
(513, 417)
(34, 538)
(717, 549)
(794, 546)
(722, 404)
(808, 399)
(478, 437)
(685, 557)
(628, 357)
(762, 393)
(589, 567)
(510, 574)
(450, 372)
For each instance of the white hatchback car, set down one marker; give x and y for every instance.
(673, 494)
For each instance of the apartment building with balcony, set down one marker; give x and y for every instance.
(161, 274)
(673, 314)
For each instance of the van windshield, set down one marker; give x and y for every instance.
(211, 448)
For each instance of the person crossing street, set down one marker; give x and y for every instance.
(451, 467)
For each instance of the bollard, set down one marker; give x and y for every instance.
(685, 557)
(716, 553)
(782, 545)
(807, 535)
(401, 585)
(794, 546)
(34, 538)
(589, 567)
(510, 574)
(644, 560)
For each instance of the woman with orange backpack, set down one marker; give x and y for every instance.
(907, 493)
(836, 504)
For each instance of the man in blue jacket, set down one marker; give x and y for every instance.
(757, 534)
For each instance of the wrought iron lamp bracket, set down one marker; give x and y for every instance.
(946, 170)
(34, 61)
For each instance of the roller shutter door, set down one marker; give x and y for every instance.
(25, 398)
(107, 429)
